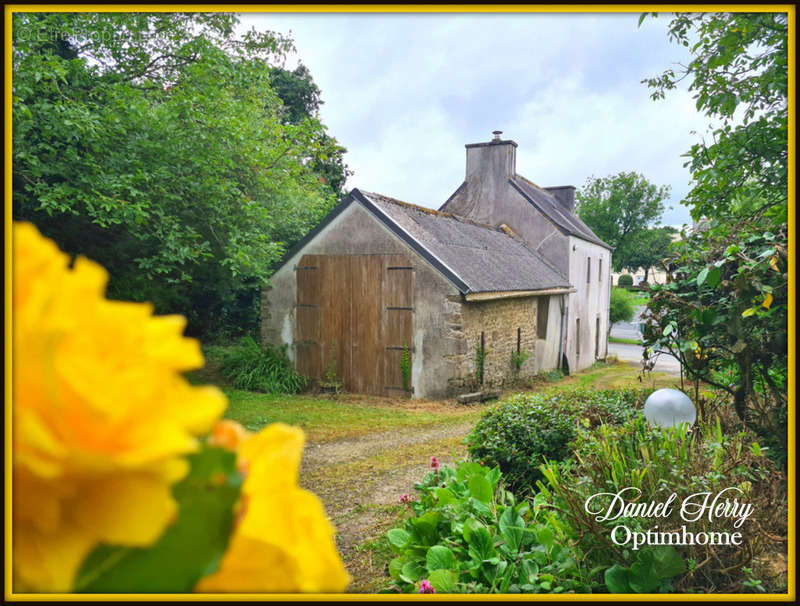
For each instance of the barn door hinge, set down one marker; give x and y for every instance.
(400, 309)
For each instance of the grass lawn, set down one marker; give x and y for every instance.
(625, 341)
(347, 416)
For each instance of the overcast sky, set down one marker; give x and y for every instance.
(404, 93)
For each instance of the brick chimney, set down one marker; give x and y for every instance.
(565, 194)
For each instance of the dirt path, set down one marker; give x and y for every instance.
(360, 481)
(352, 449)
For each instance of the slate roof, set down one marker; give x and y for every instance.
(547, 204)
(481, 257)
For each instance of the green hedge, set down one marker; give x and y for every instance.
(520, 433)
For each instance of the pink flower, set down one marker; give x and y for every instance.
(405, 497)
(435, 463)
(426, 587)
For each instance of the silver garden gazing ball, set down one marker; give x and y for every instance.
(668, 408)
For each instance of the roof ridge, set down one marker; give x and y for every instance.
(435, 213)
(539, 187)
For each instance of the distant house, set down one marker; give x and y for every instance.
(504, 267)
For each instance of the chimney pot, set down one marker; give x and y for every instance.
(497, 134)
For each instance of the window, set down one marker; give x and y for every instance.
(578, 337)
(600, 270)
(588, 269)
(597, 338)
(542, 310)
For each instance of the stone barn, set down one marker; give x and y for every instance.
(464, 293)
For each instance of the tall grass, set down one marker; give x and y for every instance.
(250, 366)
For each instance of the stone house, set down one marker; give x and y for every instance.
(504, 281)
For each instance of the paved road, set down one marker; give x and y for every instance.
(633, 353)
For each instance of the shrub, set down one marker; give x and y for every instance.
(658, 462)
(250, 366)
(625, 280)
(469, 535)
(621, 306)
(518, 358)
(520, 433)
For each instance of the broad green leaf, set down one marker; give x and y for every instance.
(701, 277)
(426, 527)
(668, 562)
(445, 496)
(443, 581)
(480, 544)
(545, 536)
(644, 577)
(616, 579)
(469, 526)
(466, 470)
(714, 277)
(412, 571)
(438, 557)
(511, 527)
(480, 489)
(398, 538)
(188, 549)
(395, 568)
(493, 475)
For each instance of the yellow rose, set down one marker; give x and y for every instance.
(282, 541)
(102, 416)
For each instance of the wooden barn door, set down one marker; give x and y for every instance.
(397, 326)
(354, 313)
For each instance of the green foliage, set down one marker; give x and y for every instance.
(637, 457)
(518, 358)
(480, 359)
(301, 101)
(648, 248)
(520, 433)
(250, 366)
(331, 376)
(189, 548)
(405, 367)
(153, 144)
(723, 315)
(725, 306)
(625, 280)
(621, 308)
(739, 76)
(468, 535)
(619, 209)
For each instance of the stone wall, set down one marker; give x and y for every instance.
(498, 320)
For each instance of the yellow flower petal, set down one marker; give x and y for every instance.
(767, 301)
(283, 541)
(102, 416)
(47, 562)
(130, 509)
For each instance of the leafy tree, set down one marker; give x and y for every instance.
(648, 248)
(154, 144)
(723, 311)
(301, 100)
(738, 74)
(620, 307)
(619, 207)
